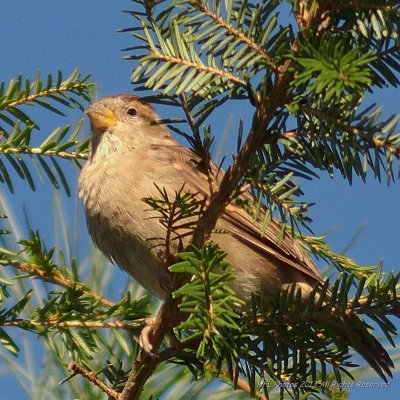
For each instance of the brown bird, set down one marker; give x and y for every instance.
(128, 155)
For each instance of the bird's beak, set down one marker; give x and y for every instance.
(101, 117)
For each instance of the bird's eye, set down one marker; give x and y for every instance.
(132, 111)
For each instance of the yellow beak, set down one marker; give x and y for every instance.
(101, 117)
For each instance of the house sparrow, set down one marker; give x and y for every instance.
(129, 154)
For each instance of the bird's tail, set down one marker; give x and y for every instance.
(353, 331)
(367, 346)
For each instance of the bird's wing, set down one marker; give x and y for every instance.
(239, 223)
(270, 244)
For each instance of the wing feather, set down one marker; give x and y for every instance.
(239, 223)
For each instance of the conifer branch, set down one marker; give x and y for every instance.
(234, 32)
(379, 143)
(308, 16)
(76, 86)
(146, 362)
(56, 277)
(50, 153)
(76, 369)
(198, 67)
(31, 324)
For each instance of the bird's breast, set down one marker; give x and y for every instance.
(120, 223)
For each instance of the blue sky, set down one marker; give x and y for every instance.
(49, 35)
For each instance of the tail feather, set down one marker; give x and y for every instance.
(368, 347)
(372, 351)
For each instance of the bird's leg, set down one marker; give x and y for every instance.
(158, 327)
(169, 314)
(145, 338)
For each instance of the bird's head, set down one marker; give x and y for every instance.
(122, 122)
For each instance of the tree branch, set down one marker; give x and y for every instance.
(199, 67)
(373, 141)
(78, 86)
(235, 172)
(23, 323)
(265, 112)
(92, 377)
(234, 32)
(60, 280)
(38, 151)
(146, 363)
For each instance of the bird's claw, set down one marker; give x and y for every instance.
(145, 337)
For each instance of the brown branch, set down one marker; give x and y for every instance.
(375, 142)
(353, 307)
(145, 363)
(379, 143)
(265, 112)
(38, 151)
(22, 323)
(92, 377)
(44, 93)
(199, 67)
(59, 279)
(235, 172)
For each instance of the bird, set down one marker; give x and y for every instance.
(130, 156)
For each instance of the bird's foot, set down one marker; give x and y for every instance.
(145, 338)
